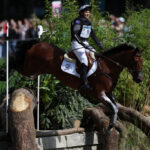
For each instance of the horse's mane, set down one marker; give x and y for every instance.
(117, 49)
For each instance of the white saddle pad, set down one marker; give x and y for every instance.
(70, 67)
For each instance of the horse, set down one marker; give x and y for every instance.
(35, 57)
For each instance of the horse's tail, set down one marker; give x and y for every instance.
(17, 58)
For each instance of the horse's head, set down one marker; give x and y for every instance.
(125, 56)
(135, 67)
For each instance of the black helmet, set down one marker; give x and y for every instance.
(84, 7)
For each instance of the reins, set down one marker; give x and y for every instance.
(103, 56)
(114, 62)
(111, 60)
(98, 54)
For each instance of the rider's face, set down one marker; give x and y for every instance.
(86, 14)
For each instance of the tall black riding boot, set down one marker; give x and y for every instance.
(83, 73)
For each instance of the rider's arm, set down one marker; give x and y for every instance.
(76, 30)
(93, 35)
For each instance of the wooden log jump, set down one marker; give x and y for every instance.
(21, 121)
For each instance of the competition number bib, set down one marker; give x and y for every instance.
(86, 30)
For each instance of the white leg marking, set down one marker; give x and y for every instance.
(114, 107)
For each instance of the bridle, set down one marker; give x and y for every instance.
(111, 60)
(136, 57)
(120, 65)
(133, 70)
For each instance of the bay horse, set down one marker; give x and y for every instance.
(34, 58)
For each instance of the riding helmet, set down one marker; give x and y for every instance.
(84, 7)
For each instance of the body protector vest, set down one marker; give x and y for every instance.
(81, 30)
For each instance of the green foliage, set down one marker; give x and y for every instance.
(58, 28)
(16, 81)
(133, 139)
(47, 88)
(139, 28)
(67, 106)
(128, 92)
(2, 75)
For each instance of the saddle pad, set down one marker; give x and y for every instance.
(70, 67)
(67, 58)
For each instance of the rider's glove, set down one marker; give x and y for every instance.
(86, 46)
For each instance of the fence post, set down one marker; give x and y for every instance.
(38, 100)
(40, 32)
(7, 76)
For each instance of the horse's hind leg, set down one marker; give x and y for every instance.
(112, 104)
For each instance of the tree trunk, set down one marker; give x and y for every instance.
(21, 120)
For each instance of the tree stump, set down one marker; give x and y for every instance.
(21, 120)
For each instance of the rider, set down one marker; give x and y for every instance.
(81, 29)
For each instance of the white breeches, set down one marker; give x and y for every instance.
(80, 51)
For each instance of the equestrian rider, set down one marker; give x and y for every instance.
(81, 30)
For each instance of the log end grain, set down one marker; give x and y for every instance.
(20, 103)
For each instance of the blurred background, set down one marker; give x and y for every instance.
(19, 9)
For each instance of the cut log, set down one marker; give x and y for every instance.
(131, 115)
(98, 120)
(48, 133)
(109, 141)
(135, 117)
(21, 120)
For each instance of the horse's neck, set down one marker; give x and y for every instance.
(122, 59)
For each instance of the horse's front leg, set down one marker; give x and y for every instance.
(111, 96)
(112, 105)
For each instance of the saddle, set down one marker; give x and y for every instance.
(71, 57)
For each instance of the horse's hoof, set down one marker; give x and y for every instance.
(110, 127)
